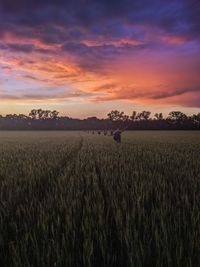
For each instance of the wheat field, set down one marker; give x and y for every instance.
(78, 199)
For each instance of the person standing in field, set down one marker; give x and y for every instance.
(117, 136)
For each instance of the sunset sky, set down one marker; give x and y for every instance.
(85, 58)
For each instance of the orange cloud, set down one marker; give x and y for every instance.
(140, 76)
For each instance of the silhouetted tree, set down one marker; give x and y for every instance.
(159, 116)
(41, 114)
(116, 115)
(54, 114)
(196, 119)
(40, 119)
(33, 114)
(177, 116)
(144, 115)
(125, 118)
(12, 116)
(23, 117)
(133, 116)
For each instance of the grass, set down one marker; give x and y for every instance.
(77, 199)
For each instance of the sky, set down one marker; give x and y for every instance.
(85, 58)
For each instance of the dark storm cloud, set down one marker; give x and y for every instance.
(25, 48)
(94, 57)
(97, 17)
(176, 92)
(68, 24)
(101, 52)
(192, 16)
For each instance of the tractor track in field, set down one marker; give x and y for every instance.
(60, 169)
(46, 183)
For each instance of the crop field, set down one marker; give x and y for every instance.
(78, 199)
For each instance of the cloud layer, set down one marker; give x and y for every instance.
(139, 51)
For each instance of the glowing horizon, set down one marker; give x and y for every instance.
(85, 58)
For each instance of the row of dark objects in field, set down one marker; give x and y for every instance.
(116, 134)
(100, 132)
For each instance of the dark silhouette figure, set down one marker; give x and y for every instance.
(117, 136)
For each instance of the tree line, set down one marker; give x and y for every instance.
(39, 119)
